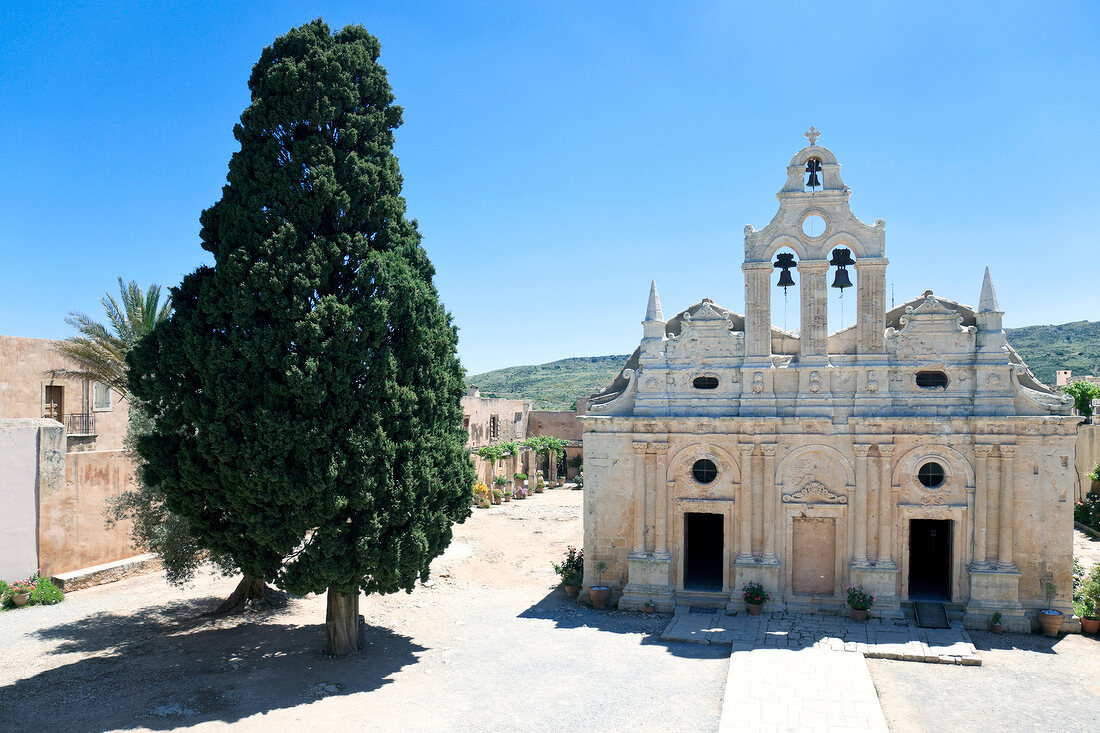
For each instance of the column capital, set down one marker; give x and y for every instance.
(1008, 451)
(983, 450)
(763, 266)
(871, 262)
(861, 449)
(746, 448)
(639, 448)
(659, 448)
(886, 449)
(769, 449)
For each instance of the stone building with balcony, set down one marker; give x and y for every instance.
(61, 456)
(912, 452)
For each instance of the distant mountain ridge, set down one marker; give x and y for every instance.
(556, 384)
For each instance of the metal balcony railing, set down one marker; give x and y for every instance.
(80, 424)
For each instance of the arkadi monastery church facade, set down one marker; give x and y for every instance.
(912, 452)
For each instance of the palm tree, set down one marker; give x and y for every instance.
(99, 351)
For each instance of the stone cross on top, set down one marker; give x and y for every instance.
(812, 135)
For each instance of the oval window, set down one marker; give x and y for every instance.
(932, 380)
(704, 471)
(930, 475)
(705, 383)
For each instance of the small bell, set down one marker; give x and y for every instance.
(813, 167)
(785, 279)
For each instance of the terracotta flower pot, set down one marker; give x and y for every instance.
(996, 628)
(572, 590)
(1090, 625)
(20, 599)
(755, 609)
(859, 614)
(1050, 622)
(599, 595)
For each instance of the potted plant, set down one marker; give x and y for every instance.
(995, 623)
(481, 493)
(520, 492)
(498, 495)
(21, 591)
(1050, 621)
(755, 597)
(1090, 593)
(507, 494)
(520, 477)
(860, 601)
(650, 606)
(571, 570)
(599, 593)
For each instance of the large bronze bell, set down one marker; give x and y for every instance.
(841, 280)
(841, 259)
(784, 261)
(813, 167)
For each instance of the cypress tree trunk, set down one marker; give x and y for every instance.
(252, 591)
(342, 624)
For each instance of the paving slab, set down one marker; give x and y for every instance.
(883, 638)
(813, 688)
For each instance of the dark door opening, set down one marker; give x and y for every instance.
(930, 559)
(704, 552)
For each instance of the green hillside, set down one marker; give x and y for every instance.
(555, 385)
(552, 386)
(1073, 346)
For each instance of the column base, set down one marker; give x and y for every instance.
(995, 590)
(763, 570)
(881, 580)
(648, 579)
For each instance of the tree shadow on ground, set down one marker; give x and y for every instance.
(165, 667)
(985, 641)
(567, 613)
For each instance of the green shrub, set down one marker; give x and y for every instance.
(1087, 512)
(45, 593)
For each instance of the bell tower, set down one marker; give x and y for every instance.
(816, 221)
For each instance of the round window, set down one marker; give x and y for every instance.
(930, 475)
(704, 471)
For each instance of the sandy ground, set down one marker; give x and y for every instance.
(491, 643)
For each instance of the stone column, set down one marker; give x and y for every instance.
(639, 498)
(746, 501)
(552, 473)
(770, 499)
(871, 305)
(758, 308)
(993, 508)
(663, 490)
(814, 301)
(981, 494)
(1006, 536)
(885, 507)
(859, 506)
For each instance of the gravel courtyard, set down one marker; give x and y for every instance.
(492, 643)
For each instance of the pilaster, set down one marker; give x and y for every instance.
(771, 498)
(871, 304)
(758, 308)
(859, 507)
(746, 508)
(813, 297)
(886, 509)
(640, 492)
(1007, 536)
(981, 493)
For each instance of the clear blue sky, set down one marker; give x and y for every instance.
(560, 155)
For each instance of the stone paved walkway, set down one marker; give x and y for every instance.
(793, 672)
(809, 689)
(876, 638)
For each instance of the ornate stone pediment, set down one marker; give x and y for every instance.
(814, 492)
(932, 315)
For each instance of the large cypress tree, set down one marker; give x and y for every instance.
(305, 394)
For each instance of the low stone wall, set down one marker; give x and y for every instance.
(32, 460)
